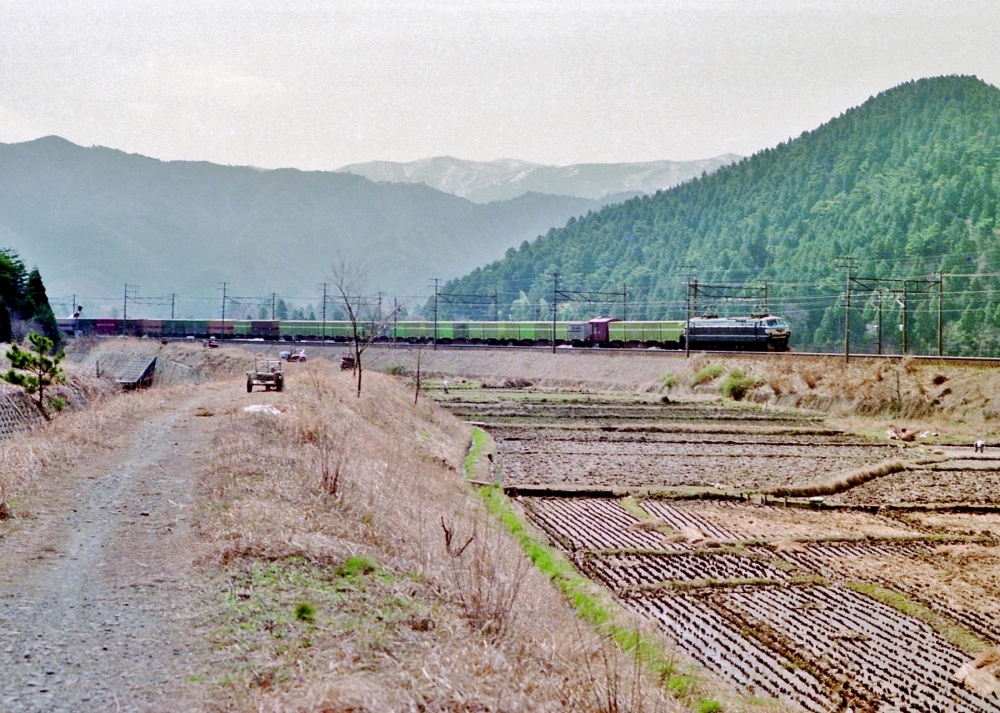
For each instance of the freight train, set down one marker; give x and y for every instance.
(757, 333)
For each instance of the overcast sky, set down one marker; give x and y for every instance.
(321, 84)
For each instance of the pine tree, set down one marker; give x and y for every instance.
(35, 370)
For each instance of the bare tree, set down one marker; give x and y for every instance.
(366, 322)
(418, 351)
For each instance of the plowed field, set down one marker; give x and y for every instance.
(825, 609)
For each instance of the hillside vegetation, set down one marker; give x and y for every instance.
(95, 218)
(24, 305)
(908, 183)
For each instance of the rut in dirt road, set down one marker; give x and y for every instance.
(96, 605)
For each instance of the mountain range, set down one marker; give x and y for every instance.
(504, 179)
(94, 219)
(900, 188)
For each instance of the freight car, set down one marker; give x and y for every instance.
(730, 333)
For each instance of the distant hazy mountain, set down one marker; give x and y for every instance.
(506, 178)
(93, 219)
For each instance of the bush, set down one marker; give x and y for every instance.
(709, 372)
(669, 382)
(737, 384)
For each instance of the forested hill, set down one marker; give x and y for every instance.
(908, 183)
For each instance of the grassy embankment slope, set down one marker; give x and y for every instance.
(961, 400)
(360, 573)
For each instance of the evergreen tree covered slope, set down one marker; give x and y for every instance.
(24, 306)
(908, 183)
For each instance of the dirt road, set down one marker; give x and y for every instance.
(98, 604)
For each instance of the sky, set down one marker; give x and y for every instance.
(317, 85)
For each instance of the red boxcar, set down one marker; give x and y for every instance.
(107, 326)
(599, 329)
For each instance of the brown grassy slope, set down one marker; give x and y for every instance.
(894, 389)
(228, 361)
(339, 589)
(31, 462)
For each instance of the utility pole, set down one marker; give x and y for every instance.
(273, 301)
(555, 307)
(225, 286)
(325, 286)
(940, 297)
(132, 290)
(847, 262)
(687, 271)
(767, 310)
(496, 306)
(625, 302)
(173, 300)
(880, 322)
(436, 282)
(905, 341)
(395, 320)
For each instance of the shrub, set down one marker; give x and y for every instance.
(669, 382)
(356, 565)
(737, 384)
(709, 372)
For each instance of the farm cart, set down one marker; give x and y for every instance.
(266, 373)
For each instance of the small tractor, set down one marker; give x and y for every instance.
(266, 373)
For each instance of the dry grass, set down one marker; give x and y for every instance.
(923, 395)
(416, 600)
(29, 460)
(843, 481)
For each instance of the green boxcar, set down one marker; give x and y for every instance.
(242, 328)
(645, 332)
(415, 331)
(477, 332)
(446, 330)
(313, 329)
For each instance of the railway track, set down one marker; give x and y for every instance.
(653, 353)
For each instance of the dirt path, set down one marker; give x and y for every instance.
(97, 601)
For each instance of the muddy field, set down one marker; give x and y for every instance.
(663, 446)
(820, 603)
(930, 485)
(616, 412)
(688, 465)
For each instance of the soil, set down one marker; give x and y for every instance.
(931, 485)
(98, 596)
(743, 465)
